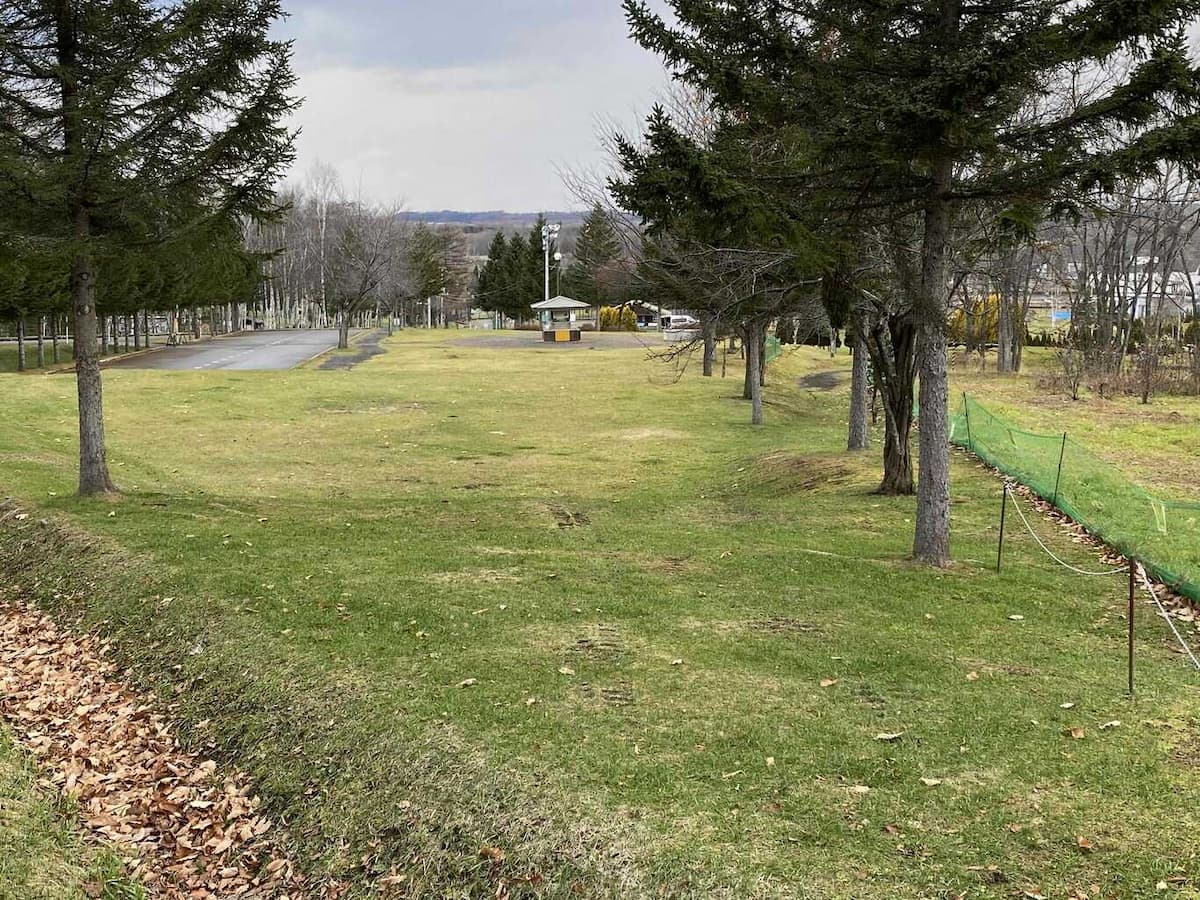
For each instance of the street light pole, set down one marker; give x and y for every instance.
(549, 233)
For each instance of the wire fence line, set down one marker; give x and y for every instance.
(1162, 534)
(1066, 565)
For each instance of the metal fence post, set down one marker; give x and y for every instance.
(1132, 588)
(967, 414)
(1003, 512)
(1061, 455)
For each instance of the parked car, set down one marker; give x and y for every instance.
(680, 322)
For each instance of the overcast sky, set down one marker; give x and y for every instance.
(464, 104)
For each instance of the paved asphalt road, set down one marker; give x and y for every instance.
(253, 350)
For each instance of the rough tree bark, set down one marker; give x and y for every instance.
(931, 541)
(891, 344)
(708, 326)
(20, 343)
(859, 437)
(93, 458)
(343, 330)
(753, 357)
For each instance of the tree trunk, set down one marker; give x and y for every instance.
(859, 437)
(41, 342)
(762, 355)
(931, 542)
(709, 328)
(343, 331)
(747, 388)
(103, 325)
(892, 352)
(93, 462)
(753, 370)
(1004, 326)
(137, 332)
(54, 339)
(20, 343)
(197, 331)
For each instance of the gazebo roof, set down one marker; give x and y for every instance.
(560, 302)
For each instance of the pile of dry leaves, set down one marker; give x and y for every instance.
(188, 829)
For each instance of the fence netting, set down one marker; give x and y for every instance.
(1162, 534)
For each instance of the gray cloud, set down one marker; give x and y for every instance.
(464, 104)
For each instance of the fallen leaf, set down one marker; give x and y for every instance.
(1016, 618)
(1075, 733)
(1115, 723)
(1084, 844)
(972, 676)
(889, 737)
(566, 670)
(829, 682)
(495, 854)
(468, 682)
(1066, 706)
(931, 782)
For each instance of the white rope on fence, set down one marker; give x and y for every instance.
(1163, 612)
(1050, 552)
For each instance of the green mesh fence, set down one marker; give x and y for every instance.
(1163, 535)
(773, 348)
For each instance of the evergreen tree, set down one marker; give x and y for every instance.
(126, 121)
(917, 108)
(491, 289)
(596, 249)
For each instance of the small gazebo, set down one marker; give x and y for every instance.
(561, 317)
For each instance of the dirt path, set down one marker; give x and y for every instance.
(187, 828)
(364, 349)
(823, 381)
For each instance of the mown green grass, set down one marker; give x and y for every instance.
(40, 858)
(322, 558)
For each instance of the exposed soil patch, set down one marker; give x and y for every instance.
(566, 518)
(620, 694)
(789, 472)
(188, 829)
(364, 349)
(823, 381)
(782, 625)
(990, 668)
(600, 641)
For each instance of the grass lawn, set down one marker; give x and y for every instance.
(40, 859)
(562, 603)
(1155, 444)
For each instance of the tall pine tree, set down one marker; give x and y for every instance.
(124, 121)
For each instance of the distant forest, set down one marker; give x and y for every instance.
(480, 227)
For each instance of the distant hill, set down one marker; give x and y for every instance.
(481, 227)
(495, 218)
